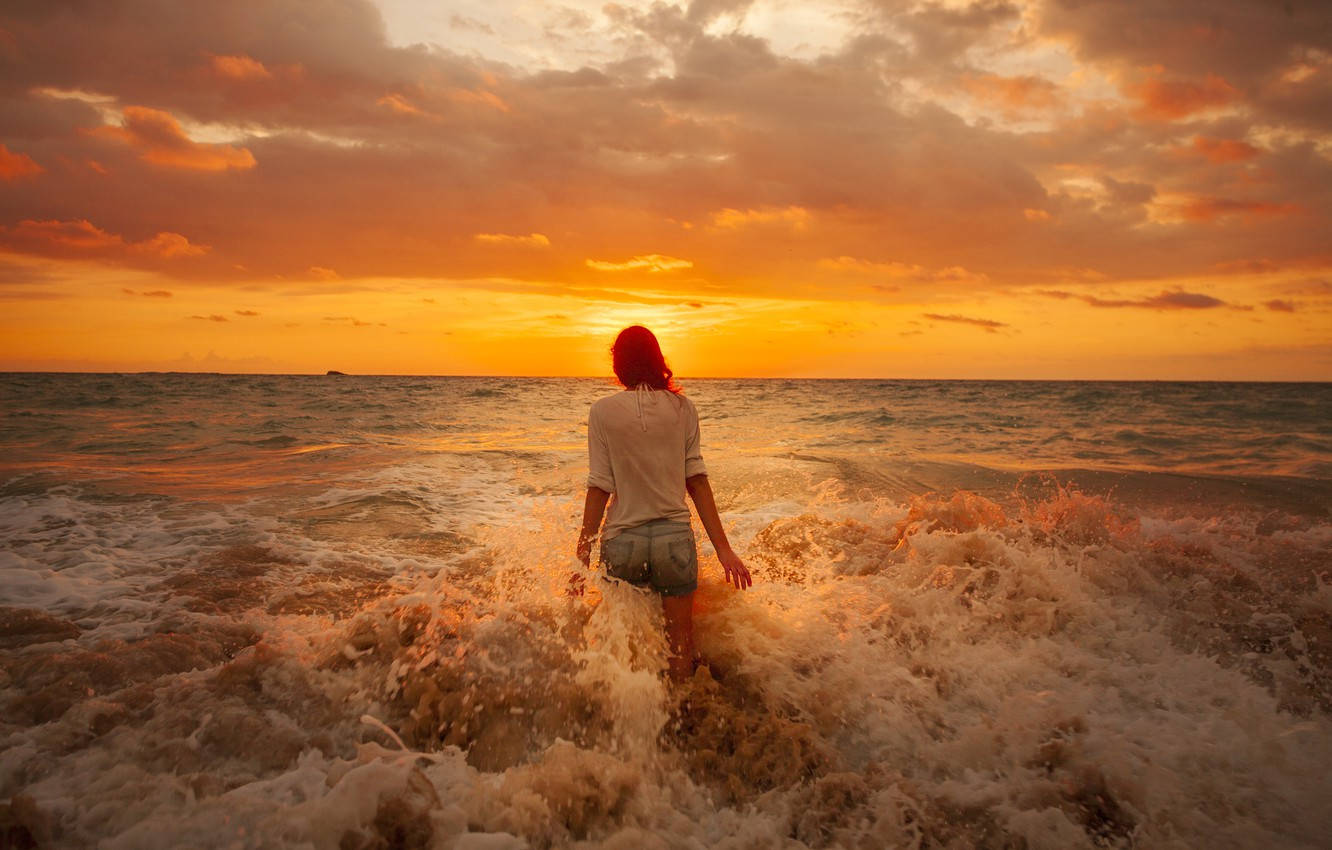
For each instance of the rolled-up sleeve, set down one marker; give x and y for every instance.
(693, 448)
(599, 472)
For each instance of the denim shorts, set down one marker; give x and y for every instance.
(658, 554)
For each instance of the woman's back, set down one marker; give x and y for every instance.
(642, 445)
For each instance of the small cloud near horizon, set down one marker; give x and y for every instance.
(642, 262)
(902, 271)
(213, 317)
(987, 325)
(1177, 300)
(531, 240)
(352, 320)
(795, 217)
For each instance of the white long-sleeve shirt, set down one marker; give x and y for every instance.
(642, 444)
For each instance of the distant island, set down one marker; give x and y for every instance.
(334, 372)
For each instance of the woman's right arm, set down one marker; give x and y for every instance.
(600, 485)
(594, 506)
(701, 492)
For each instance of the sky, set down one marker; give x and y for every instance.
(1051, 189)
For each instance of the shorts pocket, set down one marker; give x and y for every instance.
(625, 557)
(676, 564)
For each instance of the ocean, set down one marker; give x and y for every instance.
(333, 612)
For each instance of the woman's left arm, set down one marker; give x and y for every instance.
(594, 506)
(733, 568)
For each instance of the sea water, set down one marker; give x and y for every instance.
(335, 612)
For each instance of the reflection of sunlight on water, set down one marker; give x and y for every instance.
(324, 447)
(525, 440)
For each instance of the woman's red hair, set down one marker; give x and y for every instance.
(637, 359)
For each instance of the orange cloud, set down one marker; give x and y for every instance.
(645, 262)
(1298, 73)
(794, 217)
(161, 141)
(168, 245)
(1223, 150)
(1168, 100)
(240, 68)
(532, 240)
(16, 165)
(1209, 209)
(480, 96)
(902, 271)
(1012, 94)
(400, 105)
(80, 237)
(322, 273)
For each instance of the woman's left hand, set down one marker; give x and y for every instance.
(734, 568)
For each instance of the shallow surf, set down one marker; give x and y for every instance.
(243, 611)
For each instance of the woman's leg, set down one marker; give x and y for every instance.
(679, 612)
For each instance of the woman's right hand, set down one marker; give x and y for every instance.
(577, 583)
(734, 568)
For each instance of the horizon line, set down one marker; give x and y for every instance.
(612, 379)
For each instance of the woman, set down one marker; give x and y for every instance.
(643, 453)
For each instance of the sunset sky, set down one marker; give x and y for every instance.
(1028, 189)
